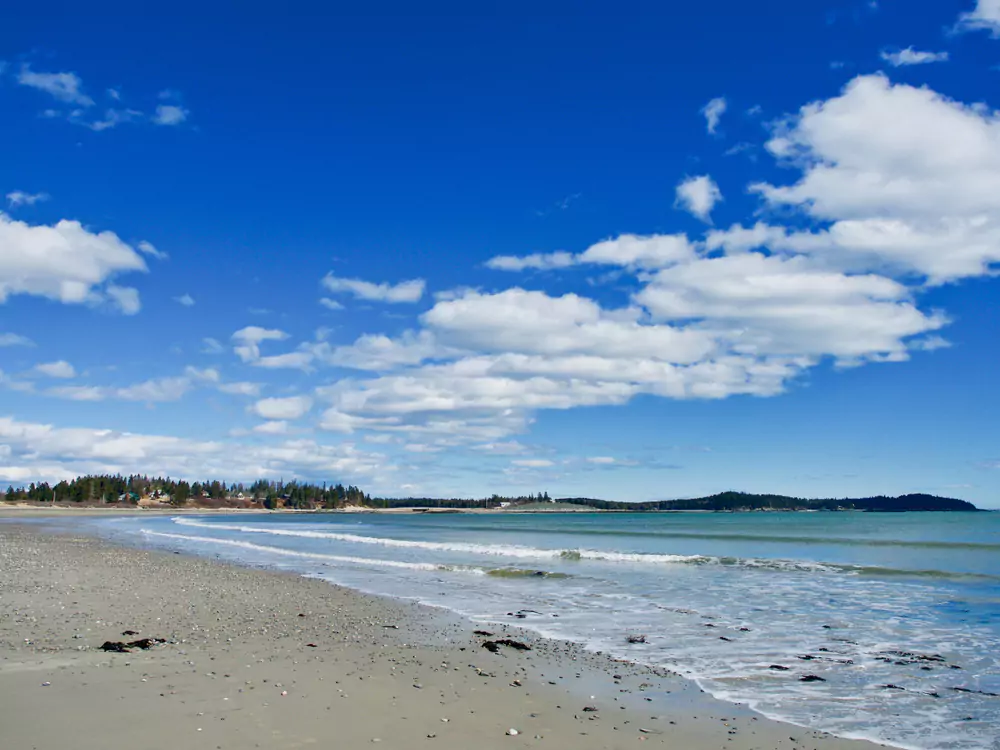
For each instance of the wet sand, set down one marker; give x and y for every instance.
(261, 659)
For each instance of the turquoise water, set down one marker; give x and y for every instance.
(863, 601)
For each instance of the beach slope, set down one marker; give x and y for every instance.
(260, 659)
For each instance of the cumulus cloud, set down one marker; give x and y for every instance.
(248, 340)
(60, 369)
(147, 248)
(769, 305)
(15, 339)
(19, 198)
(906, 179)
(910, 56)
(111, 118)
(380, 352)
(66, 87)
(713, 112)
(533, 463)
(297, 360)
(539, 261)
(170, 114)
(186, 300)
(291, 407)
(405, 291)
(698, 196)
(247, 343)
(154, 390)
(45, 452)
(275, 427)
(125, 298)
(241, 388)
(627, 250)
(527, 322)
(149, 391)
(65, 262)
(985, 16)
(632, 250)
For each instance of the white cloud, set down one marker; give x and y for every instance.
(602, 460)
(534, 323)
(627, 250)
(14, 339)
(247, 347)
(60, 369)
(713, 112)
(763, 305)
(156, 389)
(699, 327)
(147, 248)
(297, 360)
(125, 298)
(149, 391)
(66, 87)
(79, 392)
(112, 118)
(276, 427)
(241, 388)
(379, 352)
(248, 341)
(206, 375)
(170, 114)
(291, 407)
(540, 261)
(509, 447)
(908, 180)
(330, 304)
(45, 452)
(65, 262)
(642, 252)
(910, 56)
(19, 198)
(698, 196)
(212, 346)
(405, 291)
(422, 448)
(185, 299)
(985, 16)
(533, 463)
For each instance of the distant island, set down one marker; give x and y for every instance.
(162, 492)
(731, 502)
(744, 501)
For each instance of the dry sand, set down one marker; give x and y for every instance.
(259, 659)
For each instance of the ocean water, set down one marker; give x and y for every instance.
(898, 614)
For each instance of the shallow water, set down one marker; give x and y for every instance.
(863, 601)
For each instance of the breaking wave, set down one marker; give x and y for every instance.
(580, 555)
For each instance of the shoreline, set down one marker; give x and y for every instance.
(235, 633)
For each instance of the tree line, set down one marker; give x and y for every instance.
(128, 490)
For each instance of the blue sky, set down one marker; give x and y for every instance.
(621, 250)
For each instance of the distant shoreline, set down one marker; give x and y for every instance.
(62, 510)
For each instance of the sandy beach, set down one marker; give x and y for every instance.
(261, 659)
